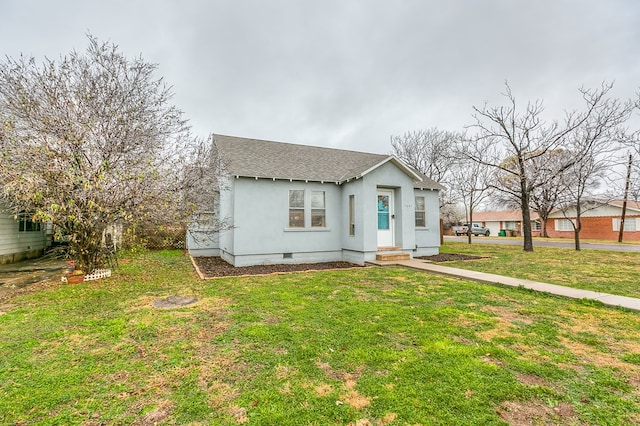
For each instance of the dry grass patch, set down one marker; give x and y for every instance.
(162, 411)
(355, 399)
(502, 330)
(536, 412)
(324, 390)
(507, 315)
(220, 395)
(506, 323)
(284, 371)
(388, 418)
(531, 380)
(239, 414)
(350, 396)
(588, 354)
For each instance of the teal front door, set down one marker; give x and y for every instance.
(385, 217)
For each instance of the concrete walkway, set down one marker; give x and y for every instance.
(573, 293)
(15, 276)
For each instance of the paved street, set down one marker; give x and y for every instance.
(537, 242)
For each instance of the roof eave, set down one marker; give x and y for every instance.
(406, 169)
(290, 179)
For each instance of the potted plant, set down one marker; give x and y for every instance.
(73, 275)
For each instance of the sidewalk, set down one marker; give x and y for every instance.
(573, 293)
(15, 276)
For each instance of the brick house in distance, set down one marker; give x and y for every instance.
(600, 223)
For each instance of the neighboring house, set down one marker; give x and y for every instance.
(20, 238)
(508, 220)
(296, 204)
(600, 223)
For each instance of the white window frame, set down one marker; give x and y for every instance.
(318, 210)
(422, 212)
(563, 225)
(630, 224)
(352, 215)
(298, 209)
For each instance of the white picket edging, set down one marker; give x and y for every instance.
(96, 275)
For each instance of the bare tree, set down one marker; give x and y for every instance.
(92, 139)
(594, 143)
(470, 181)
(547, 189)
(507, 132)
(431, 152)
(585, 177)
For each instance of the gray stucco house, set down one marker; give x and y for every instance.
(296, 204)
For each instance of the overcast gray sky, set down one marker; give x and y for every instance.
(343, 73)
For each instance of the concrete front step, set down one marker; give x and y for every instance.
(385, 257)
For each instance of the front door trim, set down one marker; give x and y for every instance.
(385, 217)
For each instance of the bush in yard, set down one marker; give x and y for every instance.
(91, 139)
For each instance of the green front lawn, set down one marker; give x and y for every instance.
(597, 270)
(362, 346)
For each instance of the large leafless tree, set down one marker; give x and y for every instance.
(92, 138)
(549, 188)
(595, 144)
(431, 152)
(522, 135)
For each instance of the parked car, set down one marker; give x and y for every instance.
(475, 229)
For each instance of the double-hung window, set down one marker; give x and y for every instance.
(630, 224)
(305, 206)
(318, 210)
(26, 223)
(564, 225)
(296, 208)
(421, 214)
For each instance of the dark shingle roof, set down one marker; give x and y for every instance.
(266, 159)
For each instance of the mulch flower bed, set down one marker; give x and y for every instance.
(215, 267)
(212, 267)
(449, 257)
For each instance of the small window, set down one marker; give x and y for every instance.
(26, 223)
(352, 215)
(564, 225)
(318, 211)
(511, 225)
(421, 214)
(536, 226)
(630, 224)
(296, 208)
